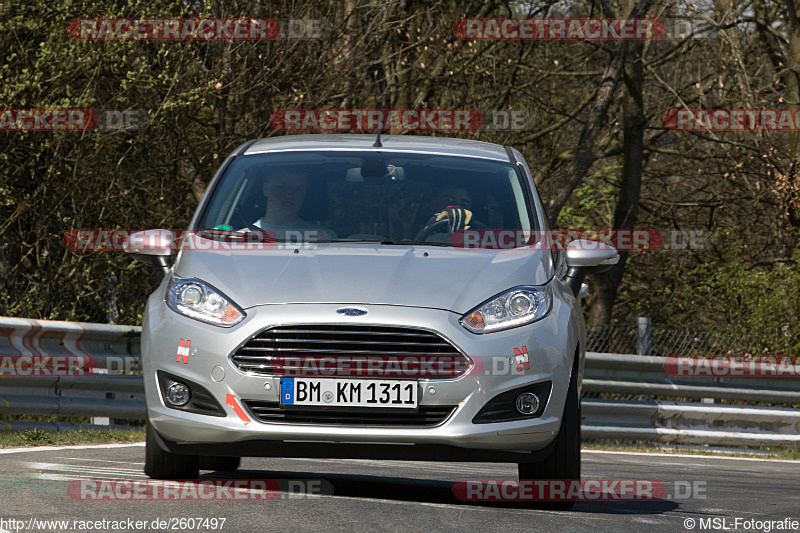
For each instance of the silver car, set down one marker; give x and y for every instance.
(342, 296)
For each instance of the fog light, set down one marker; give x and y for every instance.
(178, 394)
(527, 403)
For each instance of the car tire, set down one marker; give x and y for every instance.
(564, 461)
(219, 463)
(160, 464)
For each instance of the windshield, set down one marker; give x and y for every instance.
(368, 196)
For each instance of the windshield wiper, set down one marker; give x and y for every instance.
(423, 243)
(231, 235)
(392, 243)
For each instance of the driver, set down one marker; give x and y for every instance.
(285, 190)
(452, 204)
(451, 195)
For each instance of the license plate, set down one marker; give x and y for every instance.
(349, 392)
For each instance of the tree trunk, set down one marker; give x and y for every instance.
(585, 156)
(633, 124)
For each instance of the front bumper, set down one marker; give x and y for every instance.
(204, 359)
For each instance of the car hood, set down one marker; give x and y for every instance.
(418, 276)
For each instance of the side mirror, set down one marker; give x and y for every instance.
(153, 247)
(584, 257)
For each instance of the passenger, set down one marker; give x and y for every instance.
(285, 190)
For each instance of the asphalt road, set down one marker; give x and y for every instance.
(352, 495)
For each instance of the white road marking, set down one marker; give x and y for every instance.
(467, 506)
(455, 468)
(88, 470)
(693, 456)
(52, 477)
(40, 449)
(728, 512)
(638, 462)
(645, 520)
(98, 460)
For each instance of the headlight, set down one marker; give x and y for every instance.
(518, 306)
(199, 300)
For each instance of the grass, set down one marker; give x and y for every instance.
(39, 437)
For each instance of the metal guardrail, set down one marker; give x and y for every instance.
(103, 396)
(108, 345)
(680, 422)
(646, 415)
(640, 374)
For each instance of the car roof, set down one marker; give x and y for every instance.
(391, 143)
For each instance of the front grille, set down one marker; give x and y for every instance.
(432, 415)
(307, 346)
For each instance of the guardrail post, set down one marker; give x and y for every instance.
(103, 420)
(644, 336)
(112, 311)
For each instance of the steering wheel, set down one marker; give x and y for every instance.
(442, 226)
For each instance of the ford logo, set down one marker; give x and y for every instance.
(352, 311)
